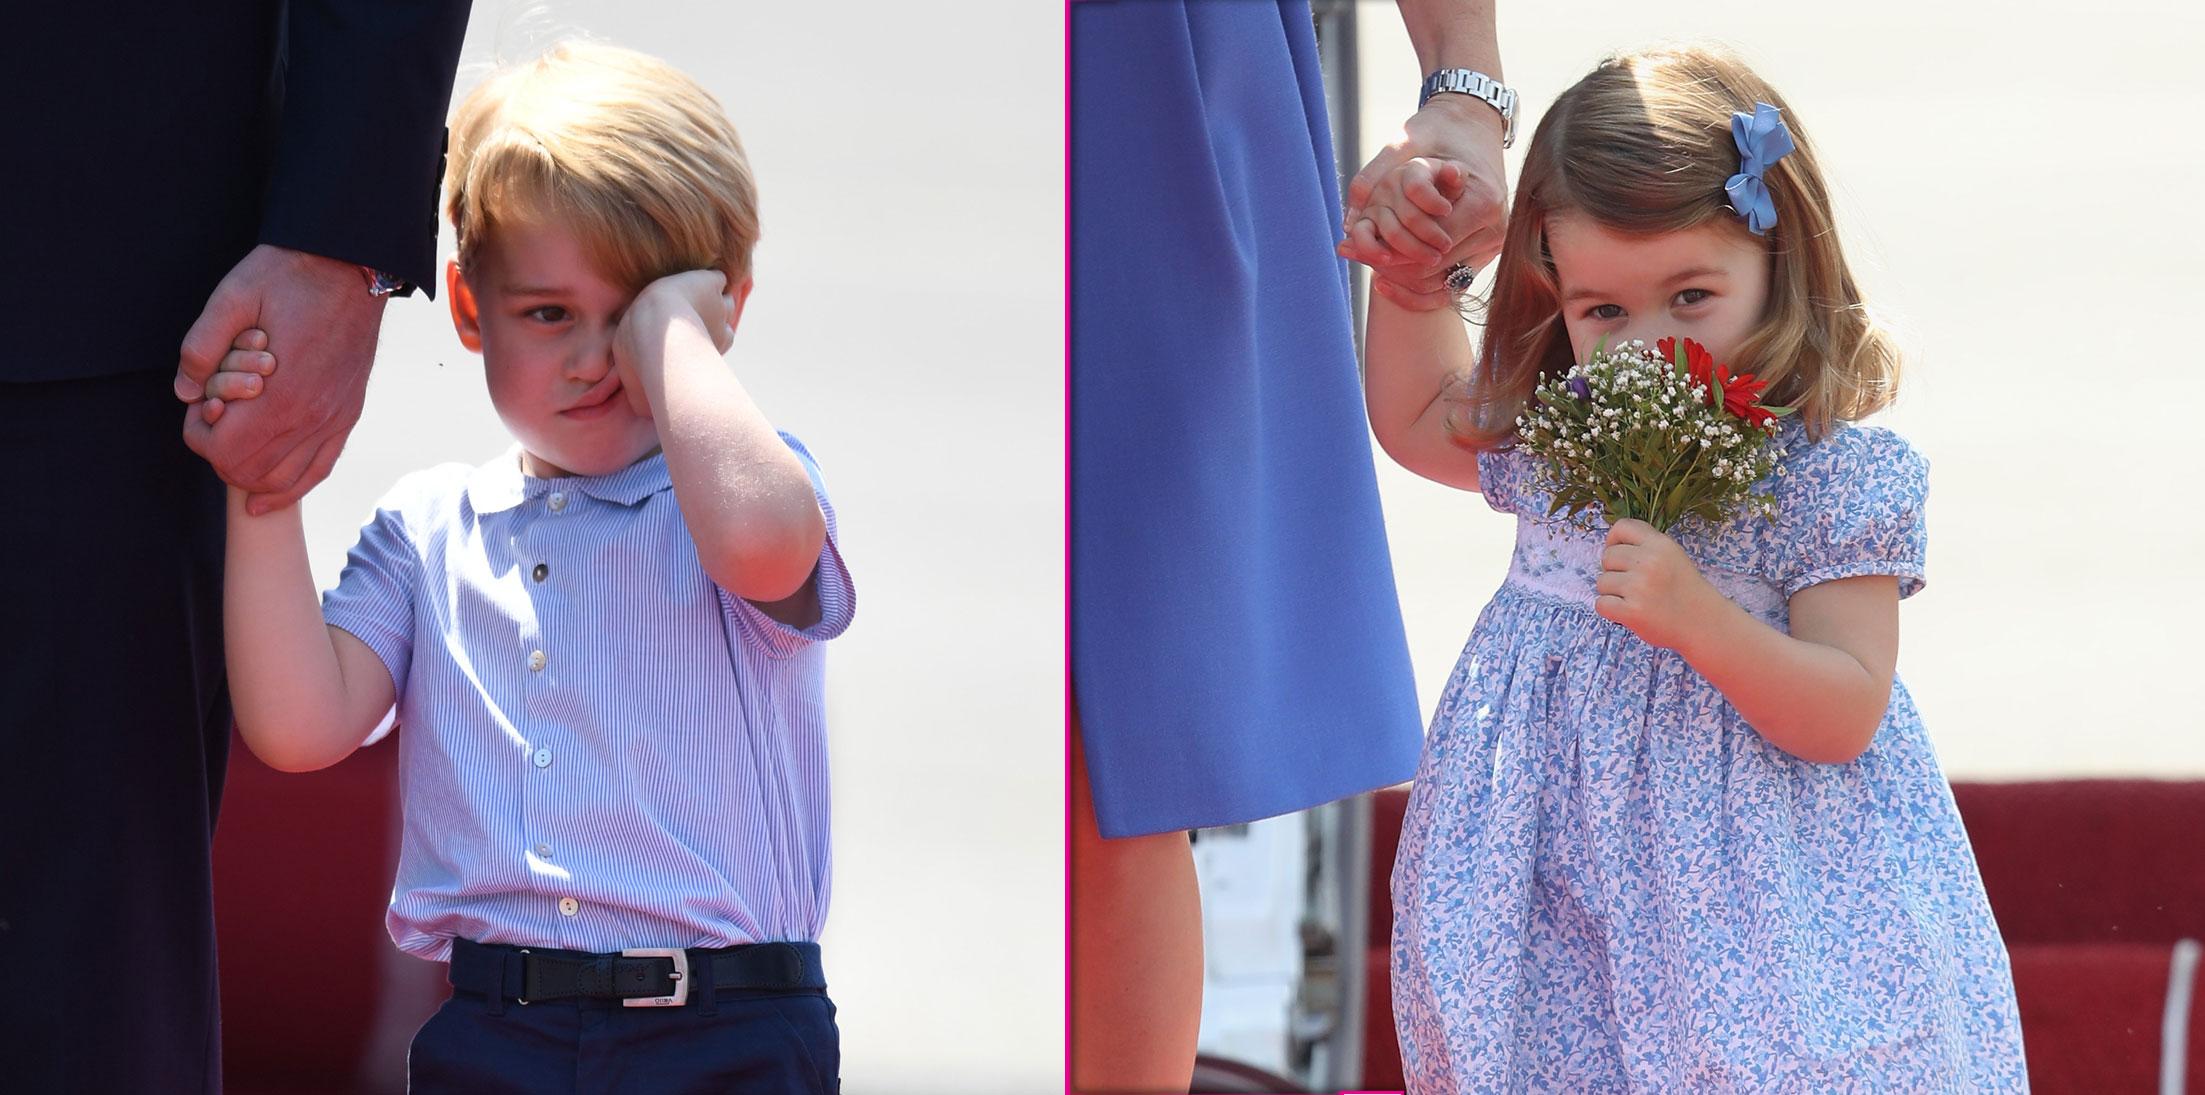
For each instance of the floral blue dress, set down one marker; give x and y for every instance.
(1608, 881)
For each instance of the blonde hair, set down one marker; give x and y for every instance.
(633, 156)
(1643, 144)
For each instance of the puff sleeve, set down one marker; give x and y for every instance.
(1853, 505)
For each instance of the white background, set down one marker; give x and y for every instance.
(2017, 188)
(907, 324)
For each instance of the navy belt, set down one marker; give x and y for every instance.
(639, 977)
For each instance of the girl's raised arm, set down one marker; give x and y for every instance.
(1412, 359)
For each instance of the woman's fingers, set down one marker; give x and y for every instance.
(1420, 184)
(1409, 297)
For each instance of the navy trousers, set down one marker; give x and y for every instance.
(736, 1042)
(114, 735)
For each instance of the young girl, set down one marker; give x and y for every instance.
(1677, 827)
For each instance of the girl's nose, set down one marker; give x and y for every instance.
(1640, 332)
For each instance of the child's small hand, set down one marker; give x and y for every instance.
(1649, 585)
(702, 293)
(692, 294)
(241, 374)
(1398, 220)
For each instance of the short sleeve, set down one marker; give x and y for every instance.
(837, 596)
(1853, 506)
(1503, 477)
(373, 598)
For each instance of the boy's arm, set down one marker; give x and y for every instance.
(1410, 361)
(305, 694)
(744, 494)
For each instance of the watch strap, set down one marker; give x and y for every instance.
(1463, 81)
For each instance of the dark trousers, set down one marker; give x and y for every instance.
(740, 1043)
(114, 734)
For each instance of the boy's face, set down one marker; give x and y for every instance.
(543, 318)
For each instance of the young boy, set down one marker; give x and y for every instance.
(604, 645)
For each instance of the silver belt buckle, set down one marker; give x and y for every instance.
(681, 977)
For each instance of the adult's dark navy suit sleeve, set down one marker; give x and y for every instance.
(154, 143)
(360, 149)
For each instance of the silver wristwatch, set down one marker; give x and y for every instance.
(381, 284)
(1463, 81)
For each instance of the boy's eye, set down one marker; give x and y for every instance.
(1692, 296)
(549, 313)
(1605, 311)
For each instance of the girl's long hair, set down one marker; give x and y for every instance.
(1643, 144)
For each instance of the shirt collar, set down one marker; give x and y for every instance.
(501, 485)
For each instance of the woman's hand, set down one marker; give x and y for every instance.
(1435, 198)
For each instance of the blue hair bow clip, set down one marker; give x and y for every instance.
(1763, 139)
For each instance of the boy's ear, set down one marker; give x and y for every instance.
(735, 299)
(465, 318)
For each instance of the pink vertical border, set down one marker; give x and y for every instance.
(1067, 754)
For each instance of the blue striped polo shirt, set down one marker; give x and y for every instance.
(599, 747)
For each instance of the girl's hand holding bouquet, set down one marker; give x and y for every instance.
(1649, 585)
(1653, 437)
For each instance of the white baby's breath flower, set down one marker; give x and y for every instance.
(1591, 426)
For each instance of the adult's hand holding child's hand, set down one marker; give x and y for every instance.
(1402, 219)
(1434, 198)
(319, 316)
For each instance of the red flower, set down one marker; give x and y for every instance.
(1740, 395)
(1700, 365)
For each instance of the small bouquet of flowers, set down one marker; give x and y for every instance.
(1659, 434)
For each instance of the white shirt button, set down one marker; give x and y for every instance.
(543, 757)
(543, 851)
(569, 906)
(558, 501)
(536, 661)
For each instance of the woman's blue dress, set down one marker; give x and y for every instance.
(1237, 646)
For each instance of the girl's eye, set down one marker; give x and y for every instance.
(1692, 296)
(549, 313)
(1605, 311)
